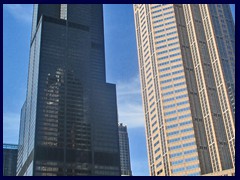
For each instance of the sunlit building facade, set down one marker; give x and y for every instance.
(69, 123)
(186, 56)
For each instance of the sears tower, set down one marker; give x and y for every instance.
(69, 123)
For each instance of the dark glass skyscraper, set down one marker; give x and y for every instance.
(10, 152)
(69, 123)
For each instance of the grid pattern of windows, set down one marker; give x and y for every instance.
(62, 104)
(179, 91)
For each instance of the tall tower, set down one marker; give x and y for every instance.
(124, 150)
(186, 58)
(69, 123)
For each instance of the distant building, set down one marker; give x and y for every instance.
(9, 159)
(124, 150)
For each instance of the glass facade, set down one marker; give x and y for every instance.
(71, 125)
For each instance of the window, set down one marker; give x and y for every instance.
(162, 58)
(190, 151)
(163, 35)
(157, 16)
(176, 54)
(191, 159)
(178, 170)
(156, 11)
(186, 130)
(158, 26)
(168, 99)
(184, 109)
(177, 78)
(174, 49)
(176, 66)
(158, 157)
(172, 27)
(180, 90)
(172, 126)
(155, 136)
(172, 133)
(167, 87)
(184, 116)
(168, 13)
(171, 33)
(168, 18)
(174, 140)
(153, 7)
(167, 93)
(159, 31)
(155, 130)
(175, 60)
(175, 147)
(166, 81)
(169, 106)
(170, 112)
(176, 154)
(162, 52)
(192, 167)
(181, 96)
(164, 9)
(172, 38)
(165, 69)
(155, 144)
(177, 162)
(188, 144)
(157, 150)
(165, 75)
(171, 119)
(169, 23)
(159, 164)
(164, 63)
(185, 123)
(157, 21)
(179, 84)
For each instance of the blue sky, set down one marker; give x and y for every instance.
(121, 69)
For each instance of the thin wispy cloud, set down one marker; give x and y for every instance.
(21, 12)
(130, 87)
(130, 109)
(11, 127)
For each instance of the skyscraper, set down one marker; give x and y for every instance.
(187, 66)
(10, 152)
(124, 150)
(69, 123)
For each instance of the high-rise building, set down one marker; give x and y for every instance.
(186, 58)
(124, 150)
(69, 123)
(10, 152)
